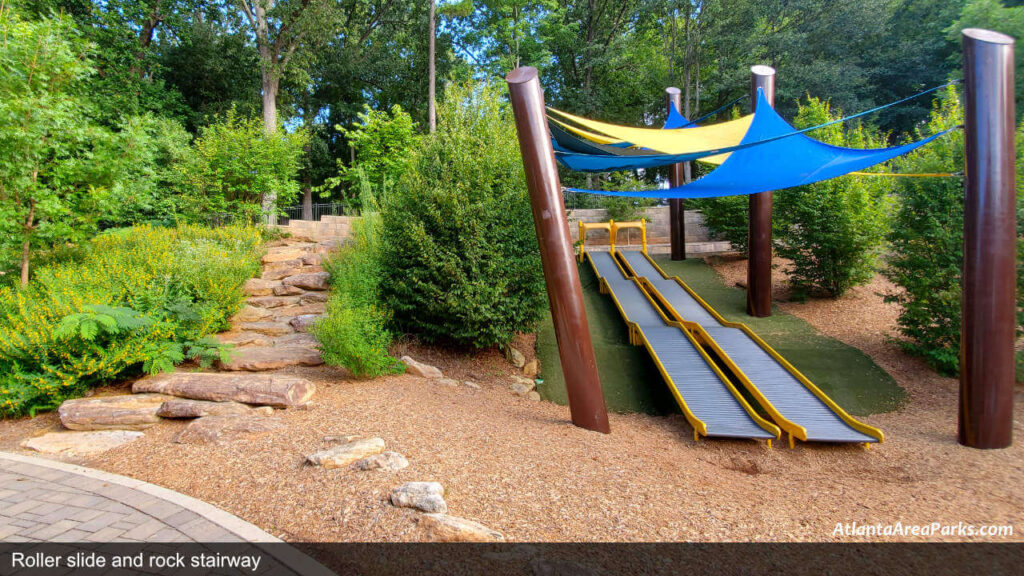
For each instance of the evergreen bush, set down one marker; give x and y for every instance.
(833, 231)
(459, 253)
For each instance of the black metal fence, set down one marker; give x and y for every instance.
(319, 211)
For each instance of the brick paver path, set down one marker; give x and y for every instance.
(48, 501)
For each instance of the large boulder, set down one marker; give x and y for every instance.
(265, 389)
(129, 412)
(424, 496)
(216, 429)
(308, 281)
(187, 408)
(80, 443)
(345, 454)
(420, 369)
(444, 528)
(271, 358)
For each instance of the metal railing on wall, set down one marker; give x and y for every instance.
(319, 211)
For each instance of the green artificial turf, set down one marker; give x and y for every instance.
(631, 382)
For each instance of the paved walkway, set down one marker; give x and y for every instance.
(42, 500)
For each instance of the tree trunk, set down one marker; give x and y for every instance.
(271, 82)
(26, 246)
(432, 73)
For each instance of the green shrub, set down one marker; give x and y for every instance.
(459, 252)
(133, 299)
(926, 258)
(354, 333)
(833, 231)
(726, 218)
(235, 167)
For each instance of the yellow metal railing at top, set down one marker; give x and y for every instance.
(635, 224)
(612, 228)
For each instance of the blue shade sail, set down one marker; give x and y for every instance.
(675, 119)
(771, 157)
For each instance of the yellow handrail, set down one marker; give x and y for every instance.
(585, 227)
(639, 224)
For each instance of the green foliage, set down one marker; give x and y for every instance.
(136, 167)
(235, 164)
(459, 252)
(993, 15)
(43, 132)
(382, 141)
(625, 208)
(135, 299)
(833, 231)
(354, 332)
(926, 258)
(726, 217)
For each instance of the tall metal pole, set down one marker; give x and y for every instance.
(759, 235)
(565, 294)
(676, 177)
(989, 279)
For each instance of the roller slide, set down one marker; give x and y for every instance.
(710, 402)
(793, 402)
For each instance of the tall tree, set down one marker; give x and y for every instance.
(432, 73)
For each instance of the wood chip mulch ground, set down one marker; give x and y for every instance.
(520, 467)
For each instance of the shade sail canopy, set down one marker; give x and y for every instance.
(698, 139)
(771, 156)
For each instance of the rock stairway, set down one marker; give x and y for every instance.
(271, 331)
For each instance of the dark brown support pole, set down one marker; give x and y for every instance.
(989, 280)
(565, 294)
(676, 177)
(759, 235)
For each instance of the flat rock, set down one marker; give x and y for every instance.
(308, 281)
(271, 358)
(343, 438)
(425, 496)
(520, 390)
(515, 357)
(296, 340)
(419, 369)
(535, 396)
(528, 383)
(260, 287)
(80, 443)
(384, 462)
(128, 412)
(216, 429)
(302, 309)
(251, 314)
(448, 382)
(444, 528)
(264, 389)
(187, 408)
(267, 328)
(273, 301)
(313, 259)
(346, 454)
(283, 290)
(280, 270)
(471, 384)
(304, 323)
(283, 254)
(311, 297)
(244, 339)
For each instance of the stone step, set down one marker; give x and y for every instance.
(127, 412)
(260, 359)
(263, 389)
(274, 301)
(289, 312)
(267, 328)
(236, 338)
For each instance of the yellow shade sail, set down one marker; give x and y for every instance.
(678, 141)
(597, 138)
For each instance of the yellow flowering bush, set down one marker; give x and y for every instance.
(130, 299)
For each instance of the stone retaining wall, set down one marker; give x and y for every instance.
(698, 240)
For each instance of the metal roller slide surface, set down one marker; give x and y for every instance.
(703, 391)
(780, 387)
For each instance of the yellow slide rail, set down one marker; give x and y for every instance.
(587, 227)
(640, 225)
(638, 338)
(794, 429)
